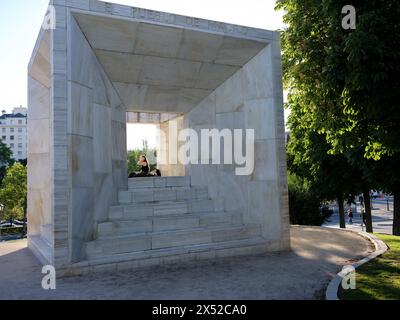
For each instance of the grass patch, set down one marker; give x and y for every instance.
(378, 279)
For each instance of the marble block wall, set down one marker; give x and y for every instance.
(96, 133)
(77, 143)
(39, 211)
(167, 168)
(251, 99)
(39, 176)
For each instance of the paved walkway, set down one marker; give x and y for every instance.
(303, 273)
(382, 219)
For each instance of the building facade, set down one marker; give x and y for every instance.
(13, 130)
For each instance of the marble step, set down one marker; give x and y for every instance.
(168, 223)
(160, 208)
(162, 194)
(167, 239)
(158, 182)
(148, 257)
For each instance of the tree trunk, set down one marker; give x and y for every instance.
(341, 212)
(368, 214)
(396, 213)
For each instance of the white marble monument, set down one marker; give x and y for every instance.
(97, 65)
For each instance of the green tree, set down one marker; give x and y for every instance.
(5, 158)
(13, 192)
(304, 204)
(304, 59)
(330, 177)
(346, 81)
(371, 93)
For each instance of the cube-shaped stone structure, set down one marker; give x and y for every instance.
(97, 66)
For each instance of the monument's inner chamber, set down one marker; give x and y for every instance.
(162, 72)
(159, 68)
(103, 67)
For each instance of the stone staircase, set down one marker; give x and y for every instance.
(163, 216)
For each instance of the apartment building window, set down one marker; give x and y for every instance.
(4, 130)
(19, 145)
(12, 130)
(4, 138)
(19, 121)
(19, 138)
(19, 129)
(11, 137)
(11, 145)
(19, 153)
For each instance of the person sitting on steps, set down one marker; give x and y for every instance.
(145, 169)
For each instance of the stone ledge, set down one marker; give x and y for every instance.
(255, 247)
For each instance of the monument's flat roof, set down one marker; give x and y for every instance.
(170, 19)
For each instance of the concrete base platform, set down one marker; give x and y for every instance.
(303, 273)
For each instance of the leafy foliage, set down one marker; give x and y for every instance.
(13, 192)
(344, 94)
(5, 153)
(304, 204)
(346, 80)
(5, 158)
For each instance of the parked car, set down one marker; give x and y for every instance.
(7, 225)
(13, 224)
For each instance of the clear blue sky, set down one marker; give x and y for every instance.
(20, 22)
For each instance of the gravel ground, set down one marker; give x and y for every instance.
(303, 273)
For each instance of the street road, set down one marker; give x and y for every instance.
(382, 219)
